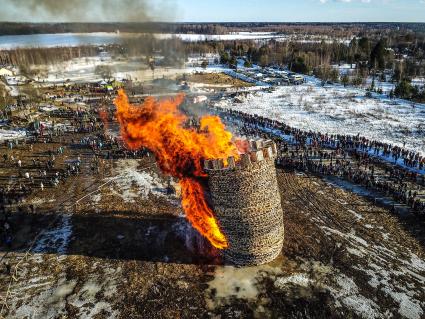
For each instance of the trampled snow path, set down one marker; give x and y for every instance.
(6, 135)
(338, 110)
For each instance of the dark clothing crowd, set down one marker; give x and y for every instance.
(353, 158)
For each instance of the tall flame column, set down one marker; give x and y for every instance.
(246, 201)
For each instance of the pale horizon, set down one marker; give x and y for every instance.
(219, 11)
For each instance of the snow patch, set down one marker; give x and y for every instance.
(6, 135)
(55, 240)
(132, 182)
(297, 279)
(348, 295)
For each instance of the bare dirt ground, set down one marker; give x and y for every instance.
(115, 244)
(120, 247)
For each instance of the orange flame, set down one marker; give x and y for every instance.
(159, 126)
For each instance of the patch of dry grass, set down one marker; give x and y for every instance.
(217, 79)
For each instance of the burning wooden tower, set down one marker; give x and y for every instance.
(246, 201)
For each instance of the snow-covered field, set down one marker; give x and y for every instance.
(338, 110)
(224, 37)
(82, 70)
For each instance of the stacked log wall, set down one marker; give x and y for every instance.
(246, 202)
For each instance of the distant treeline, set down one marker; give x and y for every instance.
(145, 45)
(36, 56)
(340, 29)
(11, 28)
(336, 29)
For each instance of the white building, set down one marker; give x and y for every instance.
(5, 72)
(195, 60)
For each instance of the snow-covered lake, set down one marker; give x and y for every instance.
(57, 40)
(107, 38)
(338, 110)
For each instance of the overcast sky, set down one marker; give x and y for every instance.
(213, 10)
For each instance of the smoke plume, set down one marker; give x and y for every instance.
(85, 10)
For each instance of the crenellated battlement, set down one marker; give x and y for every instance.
(258, 151)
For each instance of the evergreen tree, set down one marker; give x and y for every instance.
(372, 85)
(299, 66)
(404, 90)
(233, 62)
(247, 63)
(224, 57)
(377, 56)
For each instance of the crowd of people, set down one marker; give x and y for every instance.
(36, 168)
(387, 168)
(351, 169)
(384, 167)
(410, 159)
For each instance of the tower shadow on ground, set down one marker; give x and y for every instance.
(118, 236)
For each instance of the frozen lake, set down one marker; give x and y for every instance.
(104, 38)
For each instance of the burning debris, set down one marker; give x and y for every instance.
(179, 151)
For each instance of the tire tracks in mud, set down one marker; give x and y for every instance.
(307, 196)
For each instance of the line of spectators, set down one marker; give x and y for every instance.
(353, 158)
(409, 158)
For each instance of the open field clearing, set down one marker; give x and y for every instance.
(338, 110)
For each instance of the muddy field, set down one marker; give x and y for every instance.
(120, 247)
(113, 242)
